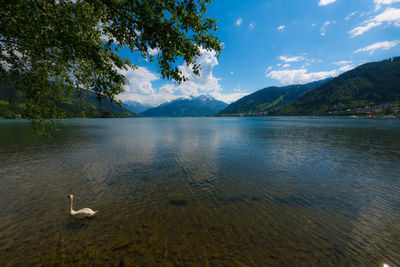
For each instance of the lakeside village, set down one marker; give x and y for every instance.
(385, 110)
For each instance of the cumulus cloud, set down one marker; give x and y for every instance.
(301, 76)
(167, 89)
(251, 26)
(386, 45)
(140, 87)
(238, 21)
(228, 98)
(139, 81)
(286, 66)
(380, 3)
(206, 82)
(326, 2)
(280, 28)
(390, 16)
(291, 59)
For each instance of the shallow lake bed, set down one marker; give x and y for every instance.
(202, 191)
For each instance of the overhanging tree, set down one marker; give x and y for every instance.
(49, 47)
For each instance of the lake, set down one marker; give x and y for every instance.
(202, 191)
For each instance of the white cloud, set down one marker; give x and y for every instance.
(299, 76)
(361, 29)
(324, 28)
(140, 87)
(326, 2)
(139, 81)
(153, 100)
(386, 45)
(280, 28)
(386, 2)
(286, 66)
(167, 89)
(238, 21)
(342, 62)
(228, 98)
(346, 68)
(352, 14)
(380, 3)
(204, 83)
(389, 16)
(232, 72)
(290, 59)
(153, 51)
(251, 26)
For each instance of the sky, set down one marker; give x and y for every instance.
(276, 43)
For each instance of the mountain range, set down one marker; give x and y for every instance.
(187, 107)
(136, 107)
(369, 85)
(370, 88)
(267, 99)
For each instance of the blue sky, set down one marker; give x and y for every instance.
(278, 42)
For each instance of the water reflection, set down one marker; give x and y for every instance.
(203, 191)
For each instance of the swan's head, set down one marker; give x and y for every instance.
(70, 196)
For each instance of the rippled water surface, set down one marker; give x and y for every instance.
(203, 191)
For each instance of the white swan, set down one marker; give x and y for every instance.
(82, 213)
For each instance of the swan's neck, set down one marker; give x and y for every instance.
(71, 211)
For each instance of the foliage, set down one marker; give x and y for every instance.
(268, 99)
(49, 47)
(87, 105)
(194, 107)
(369, 84)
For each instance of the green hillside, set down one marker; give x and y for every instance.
(12, 106)
(369, 88)
(268, 99)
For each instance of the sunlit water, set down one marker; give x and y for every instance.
(203, 191)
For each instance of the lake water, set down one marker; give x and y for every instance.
(202, 191)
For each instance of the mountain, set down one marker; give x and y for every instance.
(370, 88)
(187, 107)
(12, 105)
(136, 107)
(267, 99)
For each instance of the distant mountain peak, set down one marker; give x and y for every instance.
(203, 98)
(136, 107)
(193, 106)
